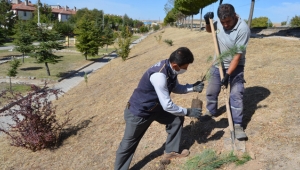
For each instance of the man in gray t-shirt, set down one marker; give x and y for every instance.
(231, 32)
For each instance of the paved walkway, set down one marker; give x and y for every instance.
(68, 83)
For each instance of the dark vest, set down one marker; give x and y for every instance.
(144, 100)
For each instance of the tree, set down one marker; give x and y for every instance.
(295, 21)
(124, 40)
(12, 71)
(192, 7)
(45, 13)
(169, 6)
(251, 13)
(2, 36)
(64, 28)
(283, 23)
(48, 41)
(108, 36)
(23, 37)
(7, 19)
(261, 22)
(88, 38)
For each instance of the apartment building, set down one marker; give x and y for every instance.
(24, 10)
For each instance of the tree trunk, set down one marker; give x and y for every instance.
(85, 56)
(106, 47)
(47, 68)
(192, 22)
(200, 19)
(10, 86)
(23, 58)
(68, 41)
(251, 13)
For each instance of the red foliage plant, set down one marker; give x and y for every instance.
(35, 125)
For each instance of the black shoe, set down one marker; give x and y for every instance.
(206, 117)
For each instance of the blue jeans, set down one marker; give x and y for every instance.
(236, 81)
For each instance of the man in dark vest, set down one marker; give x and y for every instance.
(151, 101)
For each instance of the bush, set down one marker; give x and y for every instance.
(35, 124)
(169, 42)
(295, 21)
(156, 27)
(124, 41)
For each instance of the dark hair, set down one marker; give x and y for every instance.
(226, 10)
(182, 56)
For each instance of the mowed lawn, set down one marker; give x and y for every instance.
(70, 61)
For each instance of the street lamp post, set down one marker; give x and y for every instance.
(39, 13)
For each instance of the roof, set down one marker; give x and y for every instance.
(23, 7)
(63, 11)
(30, 7)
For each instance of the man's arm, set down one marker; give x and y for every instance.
(234, 63)
(159, 83)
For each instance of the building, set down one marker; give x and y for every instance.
(24, 10)
(62, 13)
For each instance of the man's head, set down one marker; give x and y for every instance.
(227, 16)
(181, 58)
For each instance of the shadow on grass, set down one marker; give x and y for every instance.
(201, 132)
(31, 68)
(195, 132)
(252, 97)
(73, 130)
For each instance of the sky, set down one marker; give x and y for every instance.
(276, 10)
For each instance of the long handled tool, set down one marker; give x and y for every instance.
(224, 89)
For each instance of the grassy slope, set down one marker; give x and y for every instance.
(272, 76)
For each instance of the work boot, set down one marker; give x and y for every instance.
(168, 156)
(172, 155)
(239, 132)
(206, 117)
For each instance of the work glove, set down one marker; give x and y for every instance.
(224, 81)
(207, 16)
(198, 86)
(194, 112)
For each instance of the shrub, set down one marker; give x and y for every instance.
(35, 124)
(169, 42)
(158, 39)
(124, 41)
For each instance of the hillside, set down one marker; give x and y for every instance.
(271, 110)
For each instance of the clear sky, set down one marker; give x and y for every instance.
(275, 10)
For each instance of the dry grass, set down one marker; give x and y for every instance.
(271, 110)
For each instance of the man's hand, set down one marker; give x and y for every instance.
(198, 86)
(207, 16)
(194, 112)
(224, 81)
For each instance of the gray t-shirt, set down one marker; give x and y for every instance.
(227, 39)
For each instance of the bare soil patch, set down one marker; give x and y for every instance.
(271, 110)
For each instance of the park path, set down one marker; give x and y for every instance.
(68, 83)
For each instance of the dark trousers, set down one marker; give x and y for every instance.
(236, 81)
(135, 130)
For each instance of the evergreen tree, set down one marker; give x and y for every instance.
(88, 39)
(108, 37)
(23, 37)
(48, 41)
(12, 71)
(7, 19)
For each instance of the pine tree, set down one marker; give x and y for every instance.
(12, 71)
(48, 41)
(23, 37)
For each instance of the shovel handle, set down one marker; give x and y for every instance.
(222, 76)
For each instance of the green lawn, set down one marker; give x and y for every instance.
(69, 62)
